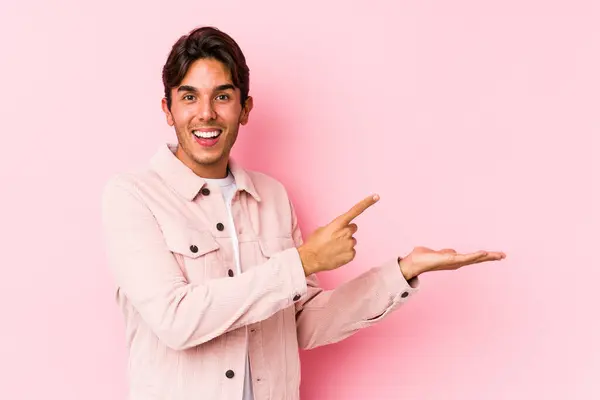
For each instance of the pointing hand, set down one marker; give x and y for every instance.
(331, 246)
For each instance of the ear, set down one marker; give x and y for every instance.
(167, 112)
(246, 110)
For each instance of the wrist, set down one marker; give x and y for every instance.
(407, 269)
(306, 258)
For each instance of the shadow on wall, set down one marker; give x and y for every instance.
(270, 144)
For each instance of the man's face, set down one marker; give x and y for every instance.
(206, 113)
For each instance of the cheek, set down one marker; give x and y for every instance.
(230, 115)
(182, 117)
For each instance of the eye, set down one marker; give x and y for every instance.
(189, 97)
(223, 97)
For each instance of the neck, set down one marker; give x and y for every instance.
(216, 170)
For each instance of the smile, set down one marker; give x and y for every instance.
(207, 134)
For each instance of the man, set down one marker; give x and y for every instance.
(216, 284)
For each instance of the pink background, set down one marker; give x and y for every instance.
(477, 122)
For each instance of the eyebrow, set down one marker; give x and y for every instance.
(188, 88)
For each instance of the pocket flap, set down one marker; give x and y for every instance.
(273, 245)
(188, 241)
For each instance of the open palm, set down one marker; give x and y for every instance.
(423, 259)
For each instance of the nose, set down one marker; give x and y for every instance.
(206, 111)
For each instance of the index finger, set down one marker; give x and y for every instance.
(356, 210)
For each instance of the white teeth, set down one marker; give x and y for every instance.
(206, 135)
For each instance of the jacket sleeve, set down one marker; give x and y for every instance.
(180, 313)
(329, 316)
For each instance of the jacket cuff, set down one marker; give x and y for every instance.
(396, 283)
(291, 262)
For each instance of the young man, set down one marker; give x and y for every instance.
(216, 284)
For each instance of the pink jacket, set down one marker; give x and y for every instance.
(186, 311)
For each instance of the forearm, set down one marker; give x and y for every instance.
(330, 316)
(184, 315)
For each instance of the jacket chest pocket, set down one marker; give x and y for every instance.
(196, 251)
(269, 246)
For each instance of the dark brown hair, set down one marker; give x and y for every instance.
(205, 42)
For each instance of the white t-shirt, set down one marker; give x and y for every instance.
(228, 188)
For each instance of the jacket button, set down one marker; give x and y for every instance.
(229, 374)
(220, 226)
(405, 294)
(297, 297)
(194, 248)
(230, 273)
(205, 191)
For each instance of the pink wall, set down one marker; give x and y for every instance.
(476, 122)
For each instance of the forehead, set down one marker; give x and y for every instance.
(206, 73)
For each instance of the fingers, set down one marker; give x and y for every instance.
(490, 256)
(355, 211)
(350, 230)
(460, 260)
(493, 256)
(351, 240)
(350, 256)
(453, 258)
(347, 235)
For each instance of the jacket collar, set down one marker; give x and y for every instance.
(185, 182)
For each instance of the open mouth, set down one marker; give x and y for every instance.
(207, 137)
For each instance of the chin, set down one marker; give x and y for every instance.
(207, 159)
